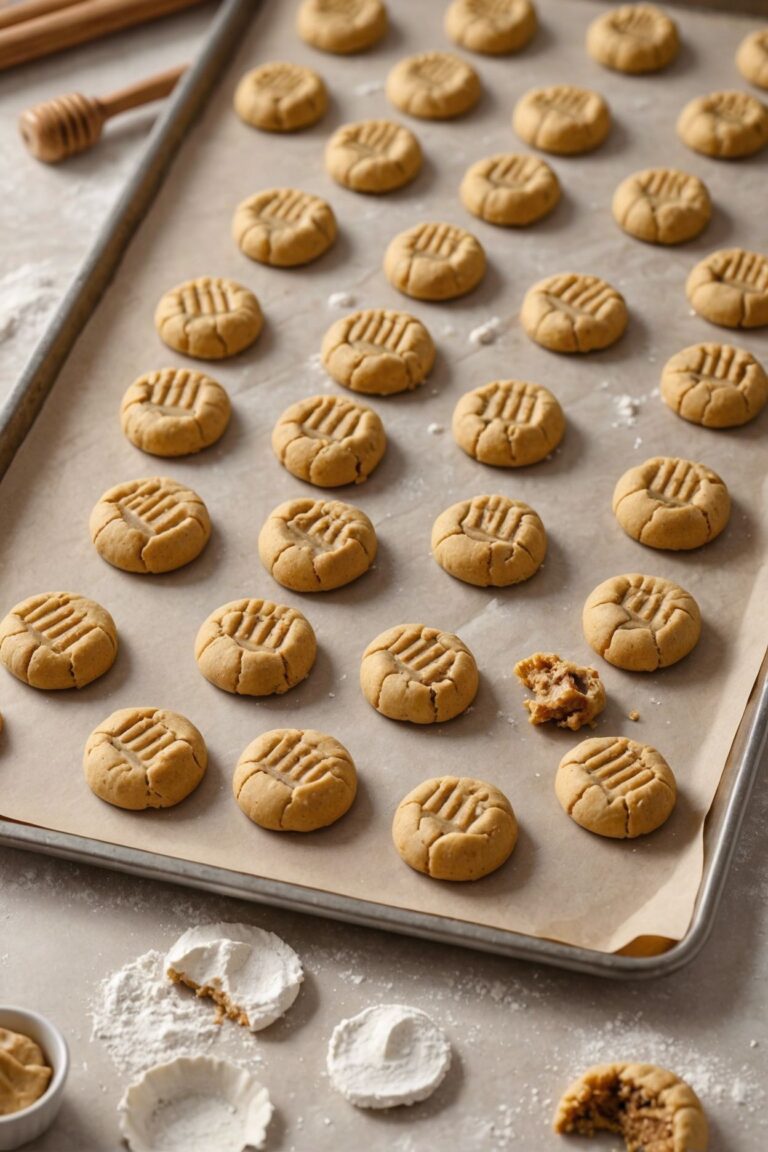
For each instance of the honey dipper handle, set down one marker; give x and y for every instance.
(143, 92)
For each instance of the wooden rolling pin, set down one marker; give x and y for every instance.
(59, 128)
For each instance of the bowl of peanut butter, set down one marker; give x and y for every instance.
(34, 1061)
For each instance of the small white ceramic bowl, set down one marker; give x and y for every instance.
(21, 1127)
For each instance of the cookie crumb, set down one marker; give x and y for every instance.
(570, 695)
(634, 714)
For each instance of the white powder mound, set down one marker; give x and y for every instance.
(435, 429)
(486, 333)
(369, 88)
(27, 297)
(341, 300)
(627, 408)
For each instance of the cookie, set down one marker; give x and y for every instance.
(418, 674)
(493, 27)
(510, 190)
(571, 312)
(752, 58)
(284, 227)
(633, 38)
(144, 758)
(153, 525)
(671, 503)
(58, 640)
(378, 352)
(455, 828)
(562, 119)
(489, 541)
(508, 423)
(255, 648)
(209, 318)
(730, 288)
(724, 124)
(433, 86)
(316, 545)
(329, 441)
(373, 156)
(342, 26)
(434, 262)
(280, 97)
(294, 780)
(641, 623)
(662, 206)
(174, 412)
(715, 385)
(565, 693)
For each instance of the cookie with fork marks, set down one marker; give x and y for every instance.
(562, 119)
(662, 206)
(342, 27)
(280, 97)
(255, 648)
(329, 441)
(489, 541)
(209, 318)
(153, 525)
(419, 674)
(730, 288)
(571, 312)
(671, 503)
(434, 86)
(634, 38)
(641, 623)
(316, 545)
(58, 640)
(374, 156)
(508, 423)
(492, 27)
(378, 352)
(284, 227)
(725, 125)
(715, 385)
(174, 412)
(435, 262)
(510, 190)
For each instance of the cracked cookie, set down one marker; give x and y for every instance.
(633, 38)
(455, 828)
(725, 125)
(730, 288)
(280, 97)
(174, 412)
(255, 648)
(209, 318)
(569, 694)
(153, 525)
(434, 262)
(572, 312)
(374, 156)
(433, 86)
(342, 26)
(662, 206)
(329, 441)
(509, 189)
(58, 640)
(641, 623)
(378, 352)
(144, 758)
(418, 674)
(715, 385)
(284, 227)
(295, 780)
(492, 27)
(316, 545)
(562, 119)
(489, 541)
(752, 58)
(508, 423)
(670, 503)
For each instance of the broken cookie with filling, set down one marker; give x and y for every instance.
(563, 692)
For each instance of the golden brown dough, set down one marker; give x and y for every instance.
(419, 674)
(569, 694)
(58, 640)
(24, 1072)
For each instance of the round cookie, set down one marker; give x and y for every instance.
(174, 412)
(378, 352)
(209, 318)
(373, 156)
(715, 385)
(489, 541)
(153, 525)
(342, 26)
(662, 206)
(725, 125)
(280, 97)
(633, 38)
(294, 780)
(316, 545)
(562, 119)
(418, 674)
(434, 262)
(255, 648)
(730, 288)
(509, 189)
(493, 27)
(508, 423)
(329, 441)
(284, 227)
(455, 828)
(641, 623)
(671, 503)
(571, 312)
(752, 58)
(58, 640)
(433, 86)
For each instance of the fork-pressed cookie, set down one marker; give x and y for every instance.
(281, 97)
(58, 640)
(152, 525)
(284, 227)
(725, 125)
(508, 423)
(564, 693)
(662, 206)
(209, 318)
(144, 758)
(174, 411)
(378, 352)
(295, 780)
(572, 312)
(633, 38)
(641, 623)
(255, 648)
(329, 441)
(509, 189)
(730, 288)
(715, 385)
(434, 262)
(671, 503)
(316, 545)
(455, 828)
(342, 26)
(493, 27)
(374, 156)
(433, 86)
(490, 541)
(752, 58)
(562, 119)
(420, 674)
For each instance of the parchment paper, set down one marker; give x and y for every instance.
(561, 882)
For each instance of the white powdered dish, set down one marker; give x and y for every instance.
(388, 1055)
(253, 975)
(195, 1104)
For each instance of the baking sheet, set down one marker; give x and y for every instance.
(561, 883)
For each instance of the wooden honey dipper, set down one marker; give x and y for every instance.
(69, 124)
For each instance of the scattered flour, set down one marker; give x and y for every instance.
(369, 88)
(27, 297)
(341, 300)
(486, 333)
(627, 409)
(435, 429)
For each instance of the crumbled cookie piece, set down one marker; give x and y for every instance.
(564, 692)
(634, 715)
